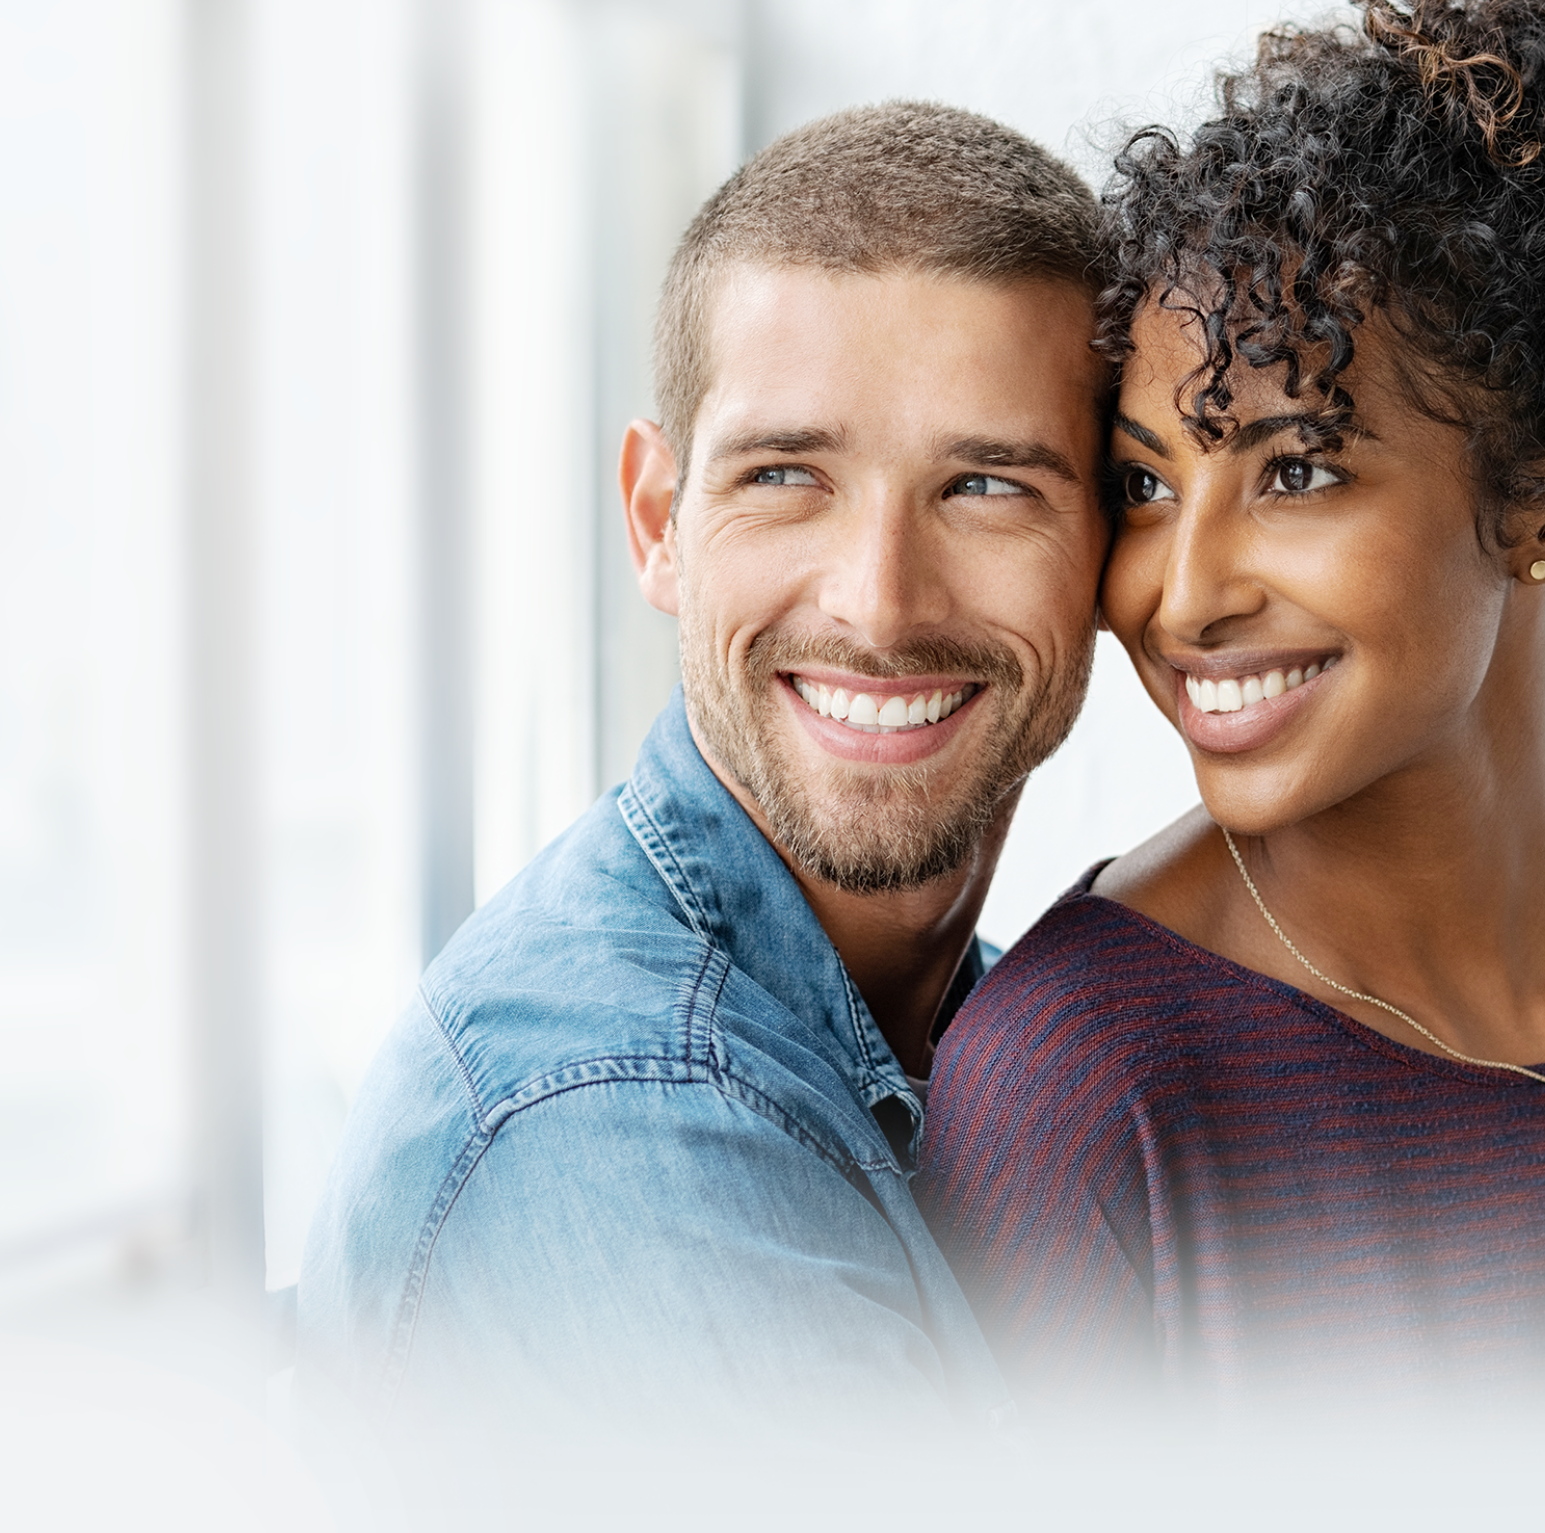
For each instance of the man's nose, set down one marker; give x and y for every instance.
(1210, 575)
(883, 579)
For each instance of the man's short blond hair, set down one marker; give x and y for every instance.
(909, 185)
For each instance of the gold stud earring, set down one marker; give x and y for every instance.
(1537, 570)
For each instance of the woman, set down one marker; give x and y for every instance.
(1265, 1098)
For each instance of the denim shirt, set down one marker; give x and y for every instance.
(623, 1148)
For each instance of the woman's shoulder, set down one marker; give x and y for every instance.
(1090, 978)
(1103, 987)
(1173, 878)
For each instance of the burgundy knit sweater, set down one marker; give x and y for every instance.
(1139, 1154)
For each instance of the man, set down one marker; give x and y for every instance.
(644, 1140)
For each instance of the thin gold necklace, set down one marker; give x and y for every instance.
(1360, 995)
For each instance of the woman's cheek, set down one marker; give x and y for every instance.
(1132, 589)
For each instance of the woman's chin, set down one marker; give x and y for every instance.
(1261, 806)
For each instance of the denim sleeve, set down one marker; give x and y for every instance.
(645, 1243)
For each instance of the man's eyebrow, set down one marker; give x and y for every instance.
(989, 453)
(1149, 439)
(798, 441)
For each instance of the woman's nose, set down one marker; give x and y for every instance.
(1209, 576)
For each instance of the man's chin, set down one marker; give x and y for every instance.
(879, 836)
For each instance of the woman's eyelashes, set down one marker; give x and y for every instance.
(1301, 476)
(1283, 478)
(1142, 487)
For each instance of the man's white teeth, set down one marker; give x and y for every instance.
(879, 715)
(1232, 694)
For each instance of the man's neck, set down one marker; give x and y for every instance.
(902, 949)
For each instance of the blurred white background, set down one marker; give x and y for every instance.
(319, 322)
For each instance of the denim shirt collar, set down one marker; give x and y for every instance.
(736, 893)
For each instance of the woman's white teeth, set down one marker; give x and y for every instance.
(880, 715)
(1231, 694)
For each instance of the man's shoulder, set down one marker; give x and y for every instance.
(586, 970)
(575, 1010)
(584, 953)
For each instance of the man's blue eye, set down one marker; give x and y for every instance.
(801, 477)
(984, 484)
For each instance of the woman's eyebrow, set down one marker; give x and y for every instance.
(1307, 427)
(1149, 439)
(1303, 424)
(1253, 433)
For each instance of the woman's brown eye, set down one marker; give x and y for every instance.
(1297, 476)
(1143, 487)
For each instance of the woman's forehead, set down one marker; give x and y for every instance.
(1170, 358)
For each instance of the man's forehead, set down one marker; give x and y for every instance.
(750, 292)
(901, 364)
(794, 330)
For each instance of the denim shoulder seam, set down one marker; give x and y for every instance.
(690, 1007)
(445, 1197)
(657, 849)
(406, 1324)
(646, 1070)
(726, 1083)
(478, 1115)
(738, 1089)
(599, 1070)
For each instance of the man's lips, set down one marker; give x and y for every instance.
(1233, 703)
(887, 722)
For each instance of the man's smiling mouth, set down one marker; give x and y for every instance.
(882, 713)
(1231, 694)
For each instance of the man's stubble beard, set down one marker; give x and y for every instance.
(872, 830)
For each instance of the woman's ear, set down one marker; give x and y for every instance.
(1524, 541)
(1534, 556)
(646, 474)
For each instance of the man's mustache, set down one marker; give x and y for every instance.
(774, 651)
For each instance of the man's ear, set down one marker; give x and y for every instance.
(646, 473)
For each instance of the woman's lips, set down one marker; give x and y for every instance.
(1254, 724)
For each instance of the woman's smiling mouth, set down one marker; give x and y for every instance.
(1242, 705)
(1231, 694)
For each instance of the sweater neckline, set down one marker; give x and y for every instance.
(1358, 1032)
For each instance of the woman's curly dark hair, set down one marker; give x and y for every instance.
(1395, 168)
